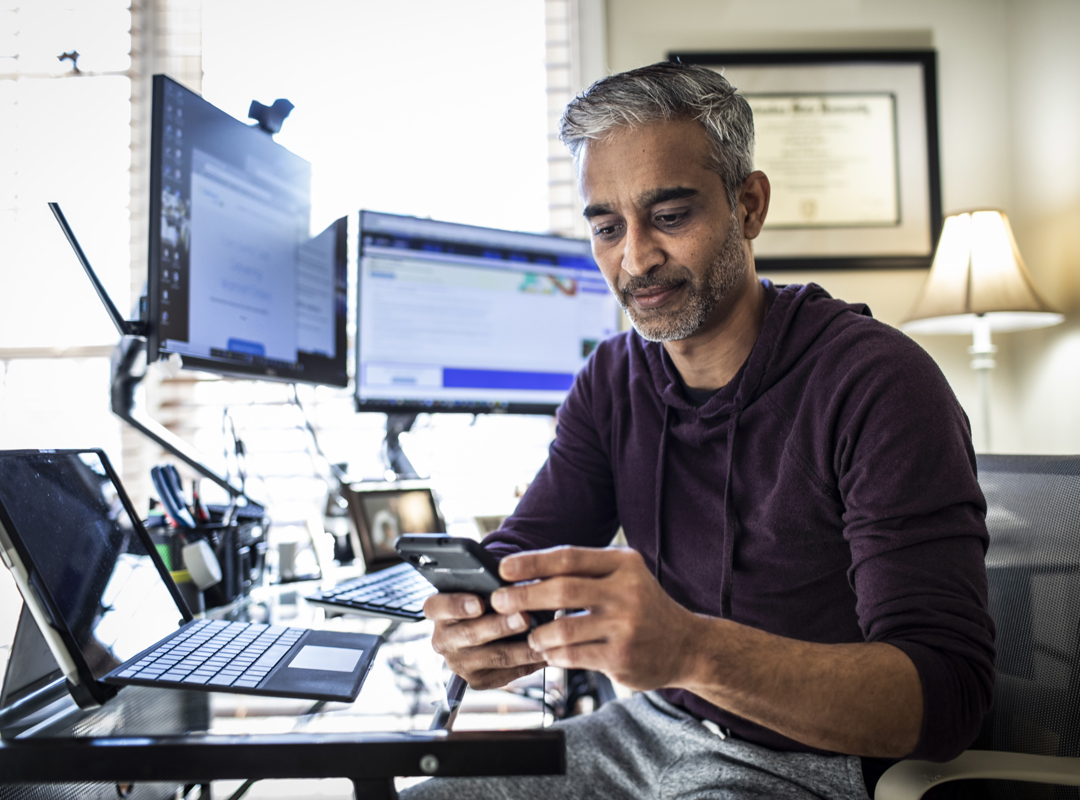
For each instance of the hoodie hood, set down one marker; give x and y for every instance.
(796, 317)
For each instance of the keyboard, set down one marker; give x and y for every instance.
(397, 592)
(216, 653)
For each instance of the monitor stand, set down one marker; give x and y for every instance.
(398, 423)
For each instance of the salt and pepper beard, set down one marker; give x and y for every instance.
(700, 300)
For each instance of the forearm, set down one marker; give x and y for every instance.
(861, 699)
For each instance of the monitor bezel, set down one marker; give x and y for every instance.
(155, 350)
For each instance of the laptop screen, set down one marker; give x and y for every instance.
(66, 514)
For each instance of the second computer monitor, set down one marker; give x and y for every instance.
(460, 318)
(237, 285)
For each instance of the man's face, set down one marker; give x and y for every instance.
(662, 230)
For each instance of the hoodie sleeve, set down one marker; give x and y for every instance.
(572, 498)
(915, 521)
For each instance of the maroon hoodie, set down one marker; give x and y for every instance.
(827, 493)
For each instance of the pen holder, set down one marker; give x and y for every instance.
(240, 547)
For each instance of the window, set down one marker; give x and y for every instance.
(424, 108)
(420, 107)
(65, 121)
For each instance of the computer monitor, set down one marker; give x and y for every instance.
(455, 317)
(236, 284)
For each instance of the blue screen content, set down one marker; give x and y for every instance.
(456, 317)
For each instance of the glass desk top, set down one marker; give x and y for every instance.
(171, 737)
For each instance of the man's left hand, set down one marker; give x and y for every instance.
(631, 630)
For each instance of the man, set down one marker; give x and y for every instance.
(804, 599)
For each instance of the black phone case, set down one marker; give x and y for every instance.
(455, 564)
(452, 563)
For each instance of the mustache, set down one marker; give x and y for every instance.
(640, 282)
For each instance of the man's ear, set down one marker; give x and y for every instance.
(754, 203)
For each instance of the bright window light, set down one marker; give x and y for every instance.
(425, 107)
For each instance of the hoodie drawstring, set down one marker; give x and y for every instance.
(730, 523)
(727, 543)
(660, 491)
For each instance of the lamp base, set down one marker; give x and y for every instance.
(982, 361)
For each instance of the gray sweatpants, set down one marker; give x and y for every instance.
(644, 747)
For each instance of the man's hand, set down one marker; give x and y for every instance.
(467, 638)
(863, 698)
(631, 629)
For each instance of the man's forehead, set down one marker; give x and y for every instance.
(646, 164)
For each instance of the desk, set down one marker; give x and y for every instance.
(162, 740)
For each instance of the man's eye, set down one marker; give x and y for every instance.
(605, 231)
(668, 220)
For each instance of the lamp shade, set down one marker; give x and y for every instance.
(978, 272)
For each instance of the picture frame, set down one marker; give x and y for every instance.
(849, 140)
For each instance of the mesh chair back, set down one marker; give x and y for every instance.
(1033, 569)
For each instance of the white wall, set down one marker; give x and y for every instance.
(1044, 119)
(1009, 110)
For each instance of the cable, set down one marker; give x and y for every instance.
(239, 453)
(244, 787)
(339, 474)
(543, 695)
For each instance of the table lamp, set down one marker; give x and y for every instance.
(977, 284)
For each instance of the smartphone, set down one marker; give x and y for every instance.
(457, 564)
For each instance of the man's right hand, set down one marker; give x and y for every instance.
(469, 641)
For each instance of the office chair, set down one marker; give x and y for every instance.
(1032, 733)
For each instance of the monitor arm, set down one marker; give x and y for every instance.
(124, 383)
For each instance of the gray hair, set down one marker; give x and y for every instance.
(668, 91)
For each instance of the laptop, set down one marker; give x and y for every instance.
(389, 587)
(110, 612)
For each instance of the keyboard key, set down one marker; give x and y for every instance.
(273, 655)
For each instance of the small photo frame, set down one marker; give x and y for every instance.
(849, 143)
(381, 512)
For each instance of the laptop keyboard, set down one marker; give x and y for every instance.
(398, 592)
(216, 653)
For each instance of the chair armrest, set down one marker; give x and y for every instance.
(909, 780)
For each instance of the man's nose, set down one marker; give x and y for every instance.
(642, 252)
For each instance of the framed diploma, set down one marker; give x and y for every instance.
(849, 143)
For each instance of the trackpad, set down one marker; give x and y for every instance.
(333, 659)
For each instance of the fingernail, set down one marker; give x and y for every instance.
(472, 606)
(517, 622)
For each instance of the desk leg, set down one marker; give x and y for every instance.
(374, 789)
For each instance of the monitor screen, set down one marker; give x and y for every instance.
(459, 318)
(236, 283)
